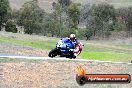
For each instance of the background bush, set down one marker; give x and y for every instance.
(11, 27)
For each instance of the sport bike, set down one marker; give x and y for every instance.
(64, 48)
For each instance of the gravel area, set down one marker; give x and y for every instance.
(56, 74)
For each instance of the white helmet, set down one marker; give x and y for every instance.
(72, 36)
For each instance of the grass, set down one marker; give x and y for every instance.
(48, 44)
(107, 56)
(107, 52)
(91, 50)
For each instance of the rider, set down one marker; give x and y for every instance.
(74, 41)
(77, 45)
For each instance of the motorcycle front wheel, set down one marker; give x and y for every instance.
(53, 52)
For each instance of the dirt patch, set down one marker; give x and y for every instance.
(51, 74)
(29, 75)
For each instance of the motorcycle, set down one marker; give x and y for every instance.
(65, 48)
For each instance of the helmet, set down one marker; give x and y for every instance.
(72, 36)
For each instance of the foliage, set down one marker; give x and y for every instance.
(73, 13)
(126, 17)
(4, 12)
(66, 13)
(15, 14)
(31, 17)
(67, 32)
(103, 18)
(10, 27)
(99, 19)
(84, 13)
(57, 18)
(64, 3)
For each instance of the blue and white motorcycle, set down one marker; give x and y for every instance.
(64, 48)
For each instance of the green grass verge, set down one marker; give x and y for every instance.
(107, 56)
(48, 44)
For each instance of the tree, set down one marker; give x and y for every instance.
(64, 3)
(66, 16)
(84, 13)
(4, 12)
(103, 17)
(31, 16)
(126, 16)
(57, 13)
(73, 13)
(15, 14)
